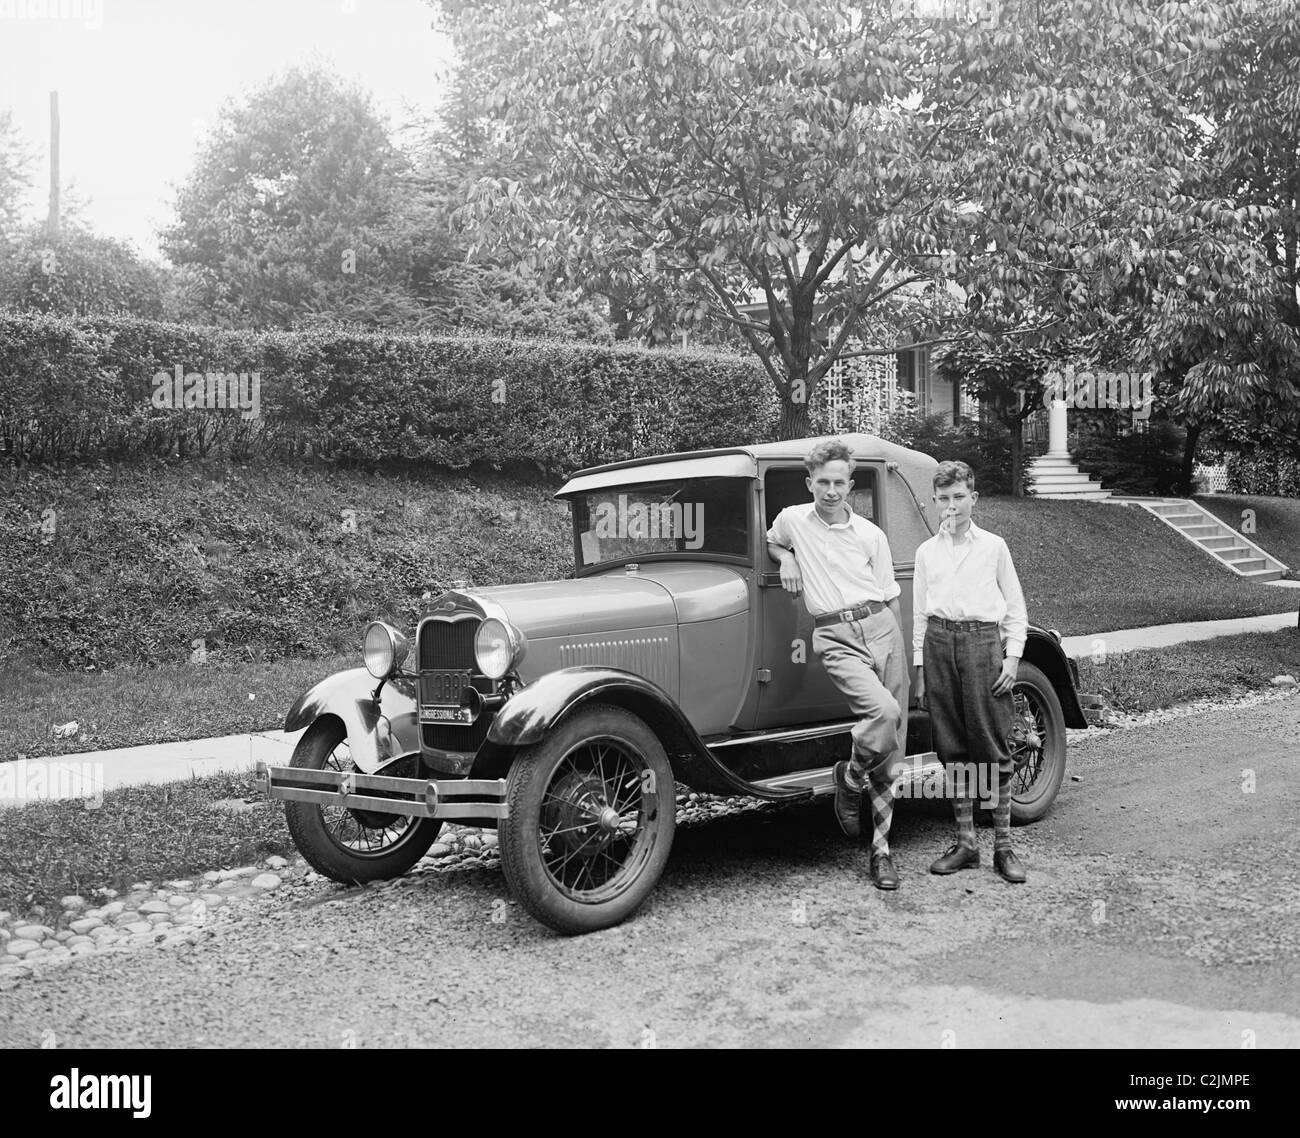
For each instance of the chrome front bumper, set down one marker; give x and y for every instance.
(469, 800)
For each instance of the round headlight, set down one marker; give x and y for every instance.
(498, 647)
(384, 649)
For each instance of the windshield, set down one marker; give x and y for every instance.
(707, 516)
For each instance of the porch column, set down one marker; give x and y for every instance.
(1056, 425)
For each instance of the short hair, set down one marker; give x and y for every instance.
(832, 450)
(952, 472)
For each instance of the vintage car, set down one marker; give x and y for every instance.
(566, 714)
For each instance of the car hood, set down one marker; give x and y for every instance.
(658, 595)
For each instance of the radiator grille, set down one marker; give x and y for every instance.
(449, 644)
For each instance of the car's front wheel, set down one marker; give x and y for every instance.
(345, 844)
(591, 815)
(1037, 745)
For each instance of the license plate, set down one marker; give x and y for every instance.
(443, 685)
(446, 715)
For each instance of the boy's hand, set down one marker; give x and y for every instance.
(918, 688)
(1007, 678)
(791, 578)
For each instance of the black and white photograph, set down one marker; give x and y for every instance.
(651, 524)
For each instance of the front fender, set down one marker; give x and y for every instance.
(376, 731)
(532, 712)
(1044, 651)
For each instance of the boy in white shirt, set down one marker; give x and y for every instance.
(966, 601)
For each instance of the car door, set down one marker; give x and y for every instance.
(794, 687)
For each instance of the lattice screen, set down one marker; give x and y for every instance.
(857, 394)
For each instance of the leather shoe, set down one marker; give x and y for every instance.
(956, 857)
(1008, 865)
(848, 801)
(883, 873)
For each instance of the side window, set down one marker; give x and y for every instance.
(786, 486)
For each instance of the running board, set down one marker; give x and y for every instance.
(919, 769)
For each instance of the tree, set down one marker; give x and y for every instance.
(820, 158)
(76, 272)
(1219, 325)
(296, 211)
(15, 174)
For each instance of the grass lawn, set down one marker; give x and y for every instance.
(157, 833)
(1093, 567)
(139, 833)
(1200, 669)
(126, 707)
(1277, 523)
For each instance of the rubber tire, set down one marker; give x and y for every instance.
(1049, 780)
(529, 776)
(307, 826)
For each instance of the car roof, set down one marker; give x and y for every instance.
(908, 525)
(738, 461)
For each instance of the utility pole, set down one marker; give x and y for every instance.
(52, 222)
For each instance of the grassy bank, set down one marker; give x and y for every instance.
(164, 564)
(156, 833)
(1093, 567)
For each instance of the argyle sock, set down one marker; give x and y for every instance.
(1002, 813)
(963, 810)
(881, 798)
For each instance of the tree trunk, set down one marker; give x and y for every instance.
(1189, 459)
(1017, 426)
(794, 422)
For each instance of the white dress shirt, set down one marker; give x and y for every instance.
(968, 579)
(842, 565)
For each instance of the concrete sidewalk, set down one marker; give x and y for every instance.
(91, 773)
(1163, 635)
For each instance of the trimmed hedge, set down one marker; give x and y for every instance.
(79, 389)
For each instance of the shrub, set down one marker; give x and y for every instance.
(1268, 472)
(1146, 461)
(984, 447)
(82, 389)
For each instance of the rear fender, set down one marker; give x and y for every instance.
(377, 731)
(538, 709)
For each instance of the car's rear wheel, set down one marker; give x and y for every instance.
(1037, 746)
(352, 845)
(591, 815)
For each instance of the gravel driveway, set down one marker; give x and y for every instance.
(1161, 911)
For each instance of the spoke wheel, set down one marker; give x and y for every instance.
(592, 810)
(1037, 746)
(346, 844)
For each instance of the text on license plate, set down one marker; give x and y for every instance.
(447, 714)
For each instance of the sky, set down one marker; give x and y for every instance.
(140, 80)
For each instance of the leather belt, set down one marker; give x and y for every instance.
(844, 616)
(962, 625)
